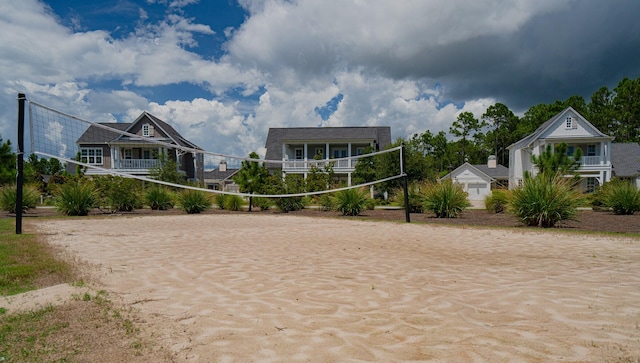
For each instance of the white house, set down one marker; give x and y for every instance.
(479, 180)
(573, 129)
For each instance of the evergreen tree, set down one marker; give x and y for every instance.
(251, 176)
(7, 163)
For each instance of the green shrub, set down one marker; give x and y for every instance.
(194, 201)
(76, 197)
(118, 193)
(416, 197)
(545, 200)
(327, 202)
(159, 198)
(498, 201)
(446, 199)
(219, 199)
(289, 204)
(350, 202)
(9, 198)
(233, 202)
(621, 196)
(262, 203)
(370, 204)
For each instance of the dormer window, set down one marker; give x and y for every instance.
(569, 122)
(147, 130)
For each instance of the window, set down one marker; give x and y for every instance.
(340, 153)
(360, 151)
(569, 122)
(146, 154)
(299, 154)
(570, 150)
(91, 156)
(591, 150)
(145, 130)
(128, 154)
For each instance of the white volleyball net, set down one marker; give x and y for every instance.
(136, 149)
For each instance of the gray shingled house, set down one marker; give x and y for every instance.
(136, 155)
(625, 161)
(301, 147)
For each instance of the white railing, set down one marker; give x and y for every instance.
(136, 163)
(302, 165)
(592, 160)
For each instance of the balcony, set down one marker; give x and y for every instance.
(136, 164)
(339, 166)
(592, 160)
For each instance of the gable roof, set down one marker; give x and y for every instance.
(216, 174)
(528, 140)
(277, 136)
(625, 159)
(95, 134)
(500, 172)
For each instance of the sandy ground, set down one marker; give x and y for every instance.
(279, 288)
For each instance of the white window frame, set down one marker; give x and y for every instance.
(591, 153)
(146, 130)
(128, 154)
(568, 122)
(91, 155)
(591, 185)
(339, 153)
(298, 154)
(147, 154)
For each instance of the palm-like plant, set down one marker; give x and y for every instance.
(194, 201)
(76, 197)
(446, 199)
(545, 200)
(159, 198)
(350, 202)
(9, 198)
(621, 196)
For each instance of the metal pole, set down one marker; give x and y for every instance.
(403, 162)
(20, 162)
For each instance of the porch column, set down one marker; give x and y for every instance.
(284, 152)
(114, 152)
(349, 149)
(326, 151)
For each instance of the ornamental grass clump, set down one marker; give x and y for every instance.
(545, 200)
(446, 199)
(621, 196)
(9, 198)
(350, 202)
(159, 198)
(233, 202)
(498, 201)
(76, 197)
(194, 201)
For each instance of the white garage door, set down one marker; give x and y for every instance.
(477, 191)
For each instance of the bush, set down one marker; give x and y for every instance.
(370, 204)
(76, 197)
(289, 204)
(619, 195)
(194, 201)
(159, 198)
(545, 200)
(327, 202)
(498, 201)
(233, 202)
(219, 199)
(416, 197)
(350, 202)
(262, 203)
(446, 199)
(9, 198)
(119, 193)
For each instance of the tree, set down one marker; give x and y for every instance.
(557, 160)
(167, 170)
(504, 124)
(465, 127)
(627, 109)
(602, 111)
(251, 176)
(7, 163)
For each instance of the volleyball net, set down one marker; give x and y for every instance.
(137, 149)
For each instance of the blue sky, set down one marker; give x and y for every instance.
(223, 71)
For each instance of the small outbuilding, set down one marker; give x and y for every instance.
(479, 180)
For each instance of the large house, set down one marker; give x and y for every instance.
(301, 148)
(125, 148)
(573, 129)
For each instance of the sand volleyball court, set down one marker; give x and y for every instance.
(279, 288)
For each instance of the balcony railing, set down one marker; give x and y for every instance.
(136, 163)
(592, 160)
(302, 165)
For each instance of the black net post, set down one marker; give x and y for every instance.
(20, 162)
(405, 179)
